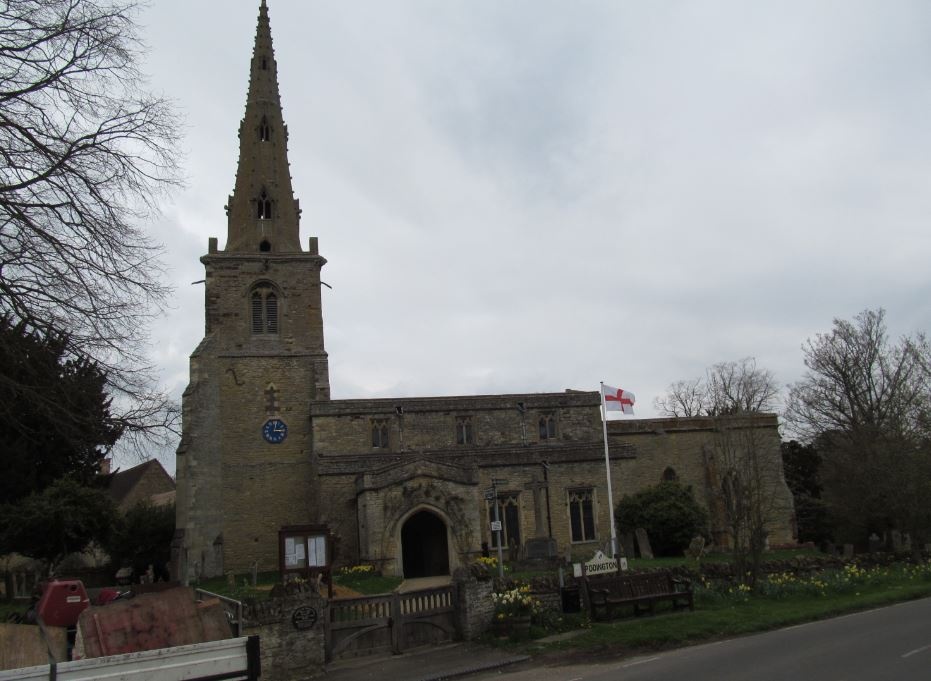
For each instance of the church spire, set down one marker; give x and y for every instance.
(263, 214)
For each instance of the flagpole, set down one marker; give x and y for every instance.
(604, 427)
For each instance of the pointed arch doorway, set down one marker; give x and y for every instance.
(424, 546)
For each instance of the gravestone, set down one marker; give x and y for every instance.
(627, 545)
(643, 542)
(848, 550)
(696, 548)
(897, 545)
(876, 543)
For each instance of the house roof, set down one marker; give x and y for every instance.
(122, 482)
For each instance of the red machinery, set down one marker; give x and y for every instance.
(62, 602)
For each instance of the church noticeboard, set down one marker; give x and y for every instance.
(305, 550)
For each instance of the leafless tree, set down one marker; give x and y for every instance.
(867, 404)
(744, 479)
(684, 399)
(858, 382)
(727, 388)
(85, 154)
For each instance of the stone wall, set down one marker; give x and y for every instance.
(692, 449)
(427, 424)
(291, 629)
(476, 610)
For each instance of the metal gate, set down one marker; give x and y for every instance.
(390, 623)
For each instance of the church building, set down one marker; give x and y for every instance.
(274, 474)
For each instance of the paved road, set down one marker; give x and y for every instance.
(888, 644)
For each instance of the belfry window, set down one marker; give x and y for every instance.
(264, 306)
(547, 427)
(265, 132)
(263, 207)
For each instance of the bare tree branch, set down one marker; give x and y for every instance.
(727, 388)
(86, 153)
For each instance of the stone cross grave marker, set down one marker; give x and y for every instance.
(537, 487)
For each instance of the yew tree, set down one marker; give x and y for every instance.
(55, 418)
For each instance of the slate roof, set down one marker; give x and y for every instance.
(122, 482)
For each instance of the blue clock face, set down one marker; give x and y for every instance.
(275, 431)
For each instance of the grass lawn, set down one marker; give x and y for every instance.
(727, 612)
(8, 608)
(368, 584)
(363, 583)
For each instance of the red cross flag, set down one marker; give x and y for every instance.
(618, 400)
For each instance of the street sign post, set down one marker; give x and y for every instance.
(496, 525)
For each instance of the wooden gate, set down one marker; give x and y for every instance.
(390, 623)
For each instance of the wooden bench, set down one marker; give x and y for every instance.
(606, 594)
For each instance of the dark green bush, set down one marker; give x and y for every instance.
(669, 514)
(142, 537)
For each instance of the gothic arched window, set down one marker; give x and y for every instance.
(670, 475)
(263, 206)
(264, 306)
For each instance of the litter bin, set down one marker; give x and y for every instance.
(570, 599)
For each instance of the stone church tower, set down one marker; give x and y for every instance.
(243, 464)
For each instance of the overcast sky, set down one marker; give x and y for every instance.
(529, 196)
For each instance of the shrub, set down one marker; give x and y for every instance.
(142, 537)
(668, 512)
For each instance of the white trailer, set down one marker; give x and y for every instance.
(234, 659)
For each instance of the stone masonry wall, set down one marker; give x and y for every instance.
(689, 447)
(345, 426)
(292, 638)
(265, 486)
(475, 609)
